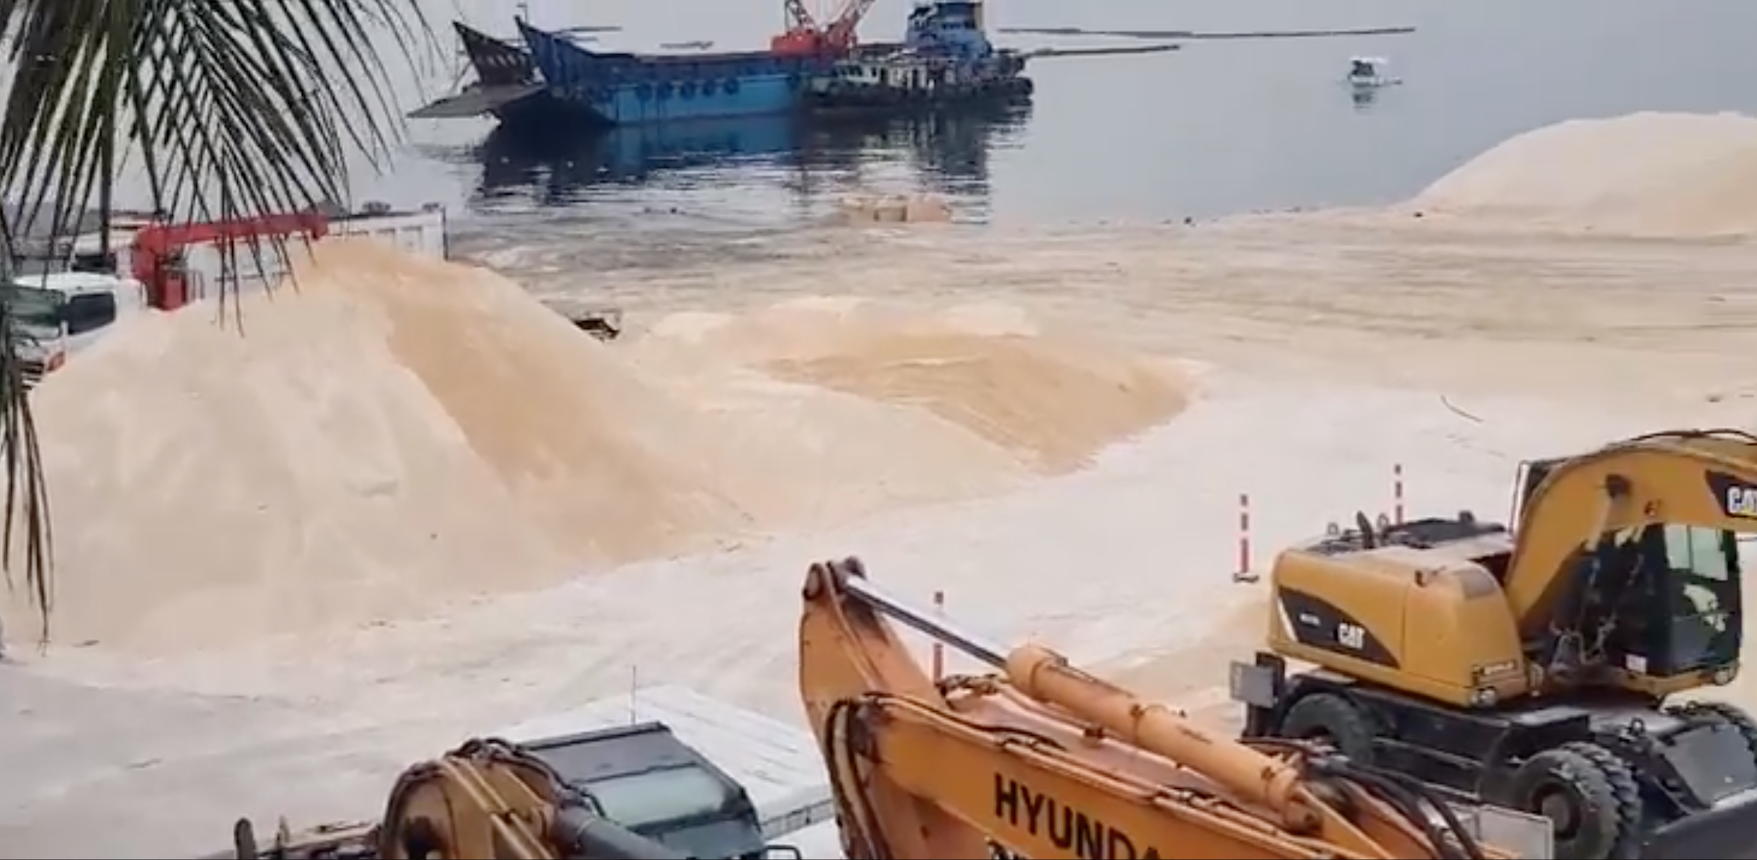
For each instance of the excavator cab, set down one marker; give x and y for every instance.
(645, 778)
(1653, 608)
(1653, 605)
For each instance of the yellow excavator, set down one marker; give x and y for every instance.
(1536, 668)
(1036, 760)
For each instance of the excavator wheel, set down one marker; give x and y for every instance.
(1333, 719)
(1589, 794)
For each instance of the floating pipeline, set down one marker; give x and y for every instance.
(1192, 35)
(1101, 52)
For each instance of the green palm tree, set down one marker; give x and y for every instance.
(229, 108)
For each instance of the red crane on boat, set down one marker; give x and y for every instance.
(805, 36)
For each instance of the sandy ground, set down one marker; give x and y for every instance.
(1325, 349)
(1327, 297)
(1125, 566)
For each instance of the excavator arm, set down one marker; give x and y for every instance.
(1042, 760)
(1693, 478)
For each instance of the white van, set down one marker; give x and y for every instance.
(60, 313)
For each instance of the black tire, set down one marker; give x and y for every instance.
(1591, 797)
(1332, 719)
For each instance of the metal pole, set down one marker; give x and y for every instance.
(634, 690)
(939, 648)
(880, 600)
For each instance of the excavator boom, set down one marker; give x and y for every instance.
(1706, 479)
(1044, 761)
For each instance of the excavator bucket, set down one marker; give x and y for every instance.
(1728, 827)
(1728, 830)
(1710, 768)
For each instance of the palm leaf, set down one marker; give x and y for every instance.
(231, 108)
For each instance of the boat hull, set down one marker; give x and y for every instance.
(628, 89)
(858, 98)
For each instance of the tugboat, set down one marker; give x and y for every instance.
(946, 59)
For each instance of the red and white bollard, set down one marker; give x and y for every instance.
(1243, 573)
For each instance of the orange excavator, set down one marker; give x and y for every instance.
(805, 36)
(1043, 760)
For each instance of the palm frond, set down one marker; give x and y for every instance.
(231, 108)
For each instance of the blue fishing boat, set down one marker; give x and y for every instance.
(630, 89)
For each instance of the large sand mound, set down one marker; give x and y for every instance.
(1048, 398)
(1656, 174)
(401, 431)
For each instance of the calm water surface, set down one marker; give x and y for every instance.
(1219, 127)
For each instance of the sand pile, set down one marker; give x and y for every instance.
(400, 432)
(895, 209)
(1046, 398)
(406, 431)
(1655, 174)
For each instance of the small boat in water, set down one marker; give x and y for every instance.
(1365, 72)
